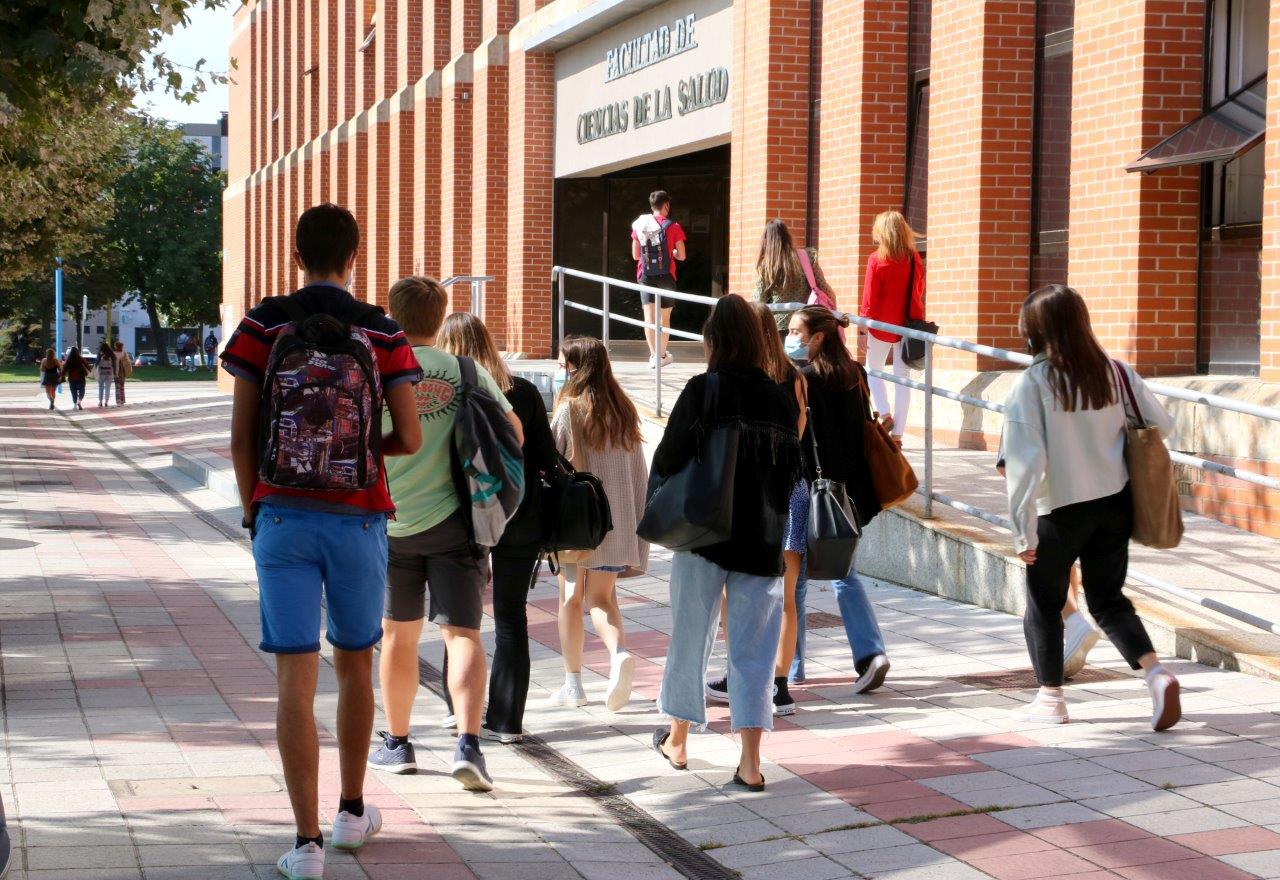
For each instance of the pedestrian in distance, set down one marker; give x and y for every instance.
(515, 559)
(50, 374)
(778, 367)
(657, 246)
(894, 265)
(780, 274)
(1069, 495)
(597, 429)
(210, 349)
(124, 369)
(431, 551)
(837, 401)
(317, 508)
(76, 370)
(105, 371)
(735, 393)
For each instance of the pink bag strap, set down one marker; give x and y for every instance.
(802, 254)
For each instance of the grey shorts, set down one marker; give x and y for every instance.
(438, 561)
(667, 283)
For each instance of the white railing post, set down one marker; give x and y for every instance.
(928, 428)
(560, 307)
(477, 298)
(604, 320)
(657, 347)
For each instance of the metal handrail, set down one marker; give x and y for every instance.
(477, 283)
(930, 391)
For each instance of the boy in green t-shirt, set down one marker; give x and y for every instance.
(429, 551)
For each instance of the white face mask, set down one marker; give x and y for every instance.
(559, 379)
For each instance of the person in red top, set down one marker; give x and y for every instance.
(658, 270)
(884, 298)
(309, 542)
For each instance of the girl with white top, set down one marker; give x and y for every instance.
(1064, 439)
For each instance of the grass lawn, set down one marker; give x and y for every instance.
(12, 373)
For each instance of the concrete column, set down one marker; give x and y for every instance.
(455, 164)
(489, 177)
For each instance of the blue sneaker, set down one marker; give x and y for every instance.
(469, 769)
(393, 760)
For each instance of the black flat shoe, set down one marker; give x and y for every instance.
(757, 786)
(659, 737)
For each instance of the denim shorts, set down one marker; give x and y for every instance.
(609, 569)
(304, 555)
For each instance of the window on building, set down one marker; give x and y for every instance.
(916, 196)
(1230, 296)
(1051, 158)
(115, 330)
(101, 330)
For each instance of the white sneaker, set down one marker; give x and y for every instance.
(352, 832)
(497, 736)
(1044, 710)
(568, 695)
(622, 668)
(304, 863)
(667, 359)
(1078, 642)
(877, 669)
(449, 722)
(653, 361)
(1166, 699)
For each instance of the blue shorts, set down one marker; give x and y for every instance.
(302, 555)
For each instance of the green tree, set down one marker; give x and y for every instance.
(163, 241)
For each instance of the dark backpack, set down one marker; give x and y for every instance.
(487, 459)
(321, 403)
(655, 253)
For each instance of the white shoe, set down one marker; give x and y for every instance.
(667, 359)
(653, 361)
(495, 736)
(304, 863)
(1044, 710)
(1079, 641)
(1166, 700)
(621, 670)
(568, 695)
(352, 832)
(449, 722)
(874, 676)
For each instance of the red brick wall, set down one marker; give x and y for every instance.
(1132, 250)
(426, 179)
(489, 178)
(455, 181)
(1270, 362)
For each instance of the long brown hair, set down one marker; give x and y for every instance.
(465, 334)
(732, 335)
(777, 265)
(75, 361)
(831, 360)
(50, 359)
(893, 236)
(776, 362)
(1055, 321)
(609, 418)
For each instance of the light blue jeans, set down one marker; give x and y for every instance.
(860, 626)
(754, 626)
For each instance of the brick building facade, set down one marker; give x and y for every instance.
(499, 137)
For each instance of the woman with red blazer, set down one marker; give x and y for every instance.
(884, 298)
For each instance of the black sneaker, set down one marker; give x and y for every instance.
(718, 690)
(783, 704)
(393, 760)
(469, 769)
(871, 672)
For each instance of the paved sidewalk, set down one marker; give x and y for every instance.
(139, 741)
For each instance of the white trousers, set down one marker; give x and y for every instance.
(877, 356)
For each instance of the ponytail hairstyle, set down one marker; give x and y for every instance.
(776, 363)
(1055, 322)
(893, 236)
(462, 333)
(830, 359)
(608, 417)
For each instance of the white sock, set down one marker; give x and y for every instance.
(1158, 669)
(573, 679)
(1050, 693)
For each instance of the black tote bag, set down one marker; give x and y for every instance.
(913, 350)
(833, 524)
(693, 507)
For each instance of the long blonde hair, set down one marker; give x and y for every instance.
(462, 333)
(608, 417)
(777, 265)
(894, 237)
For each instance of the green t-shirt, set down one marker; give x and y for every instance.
(421, 484)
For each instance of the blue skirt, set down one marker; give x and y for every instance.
(797, 537)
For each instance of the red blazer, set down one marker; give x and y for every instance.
(885, 291)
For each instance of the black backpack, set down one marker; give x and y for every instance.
(655, 253)
(575, 512)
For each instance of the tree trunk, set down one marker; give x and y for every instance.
(46, 334)
(157, 332)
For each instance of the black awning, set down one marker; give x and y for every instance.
(1229, 129)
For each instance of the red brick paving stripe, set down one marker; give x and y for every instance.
(990, 846)
(891, 811)
(994, 742)
(1143, 851)
(1229, 841)
(1032, 866)
(1187, 869)
(955, 826)
(1091, 833)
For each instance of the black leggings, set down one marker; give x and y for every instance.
(1097, 533)
(509, 676)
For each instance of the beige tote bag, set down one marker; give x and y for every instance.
(1157, 515)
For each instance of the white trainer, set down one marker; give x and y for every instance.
(568, 695)
(1044, 710)
(1166, 699)
(449, 722)
(874, 675)
(1080, 637)
(352, 832)
(622, 669)
(304, 863)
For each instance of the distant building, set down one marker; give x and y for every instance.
(210, 135)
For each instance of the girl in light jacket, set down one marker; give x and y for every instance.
(1069, 498)
(884, 298)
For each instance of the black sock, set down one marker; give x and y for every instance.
(780, 682)
(469, 739)
(301, 841)
(354, 806)
(395, 742)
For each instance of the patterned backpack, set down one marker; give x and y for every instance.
(488, 463)
(321, 404)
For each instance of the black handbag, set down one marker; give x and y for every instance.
(833, 524)
(575, 511)
(693, 507)
(913, 350)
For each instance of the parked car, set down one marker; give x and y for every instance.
(146, 360)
